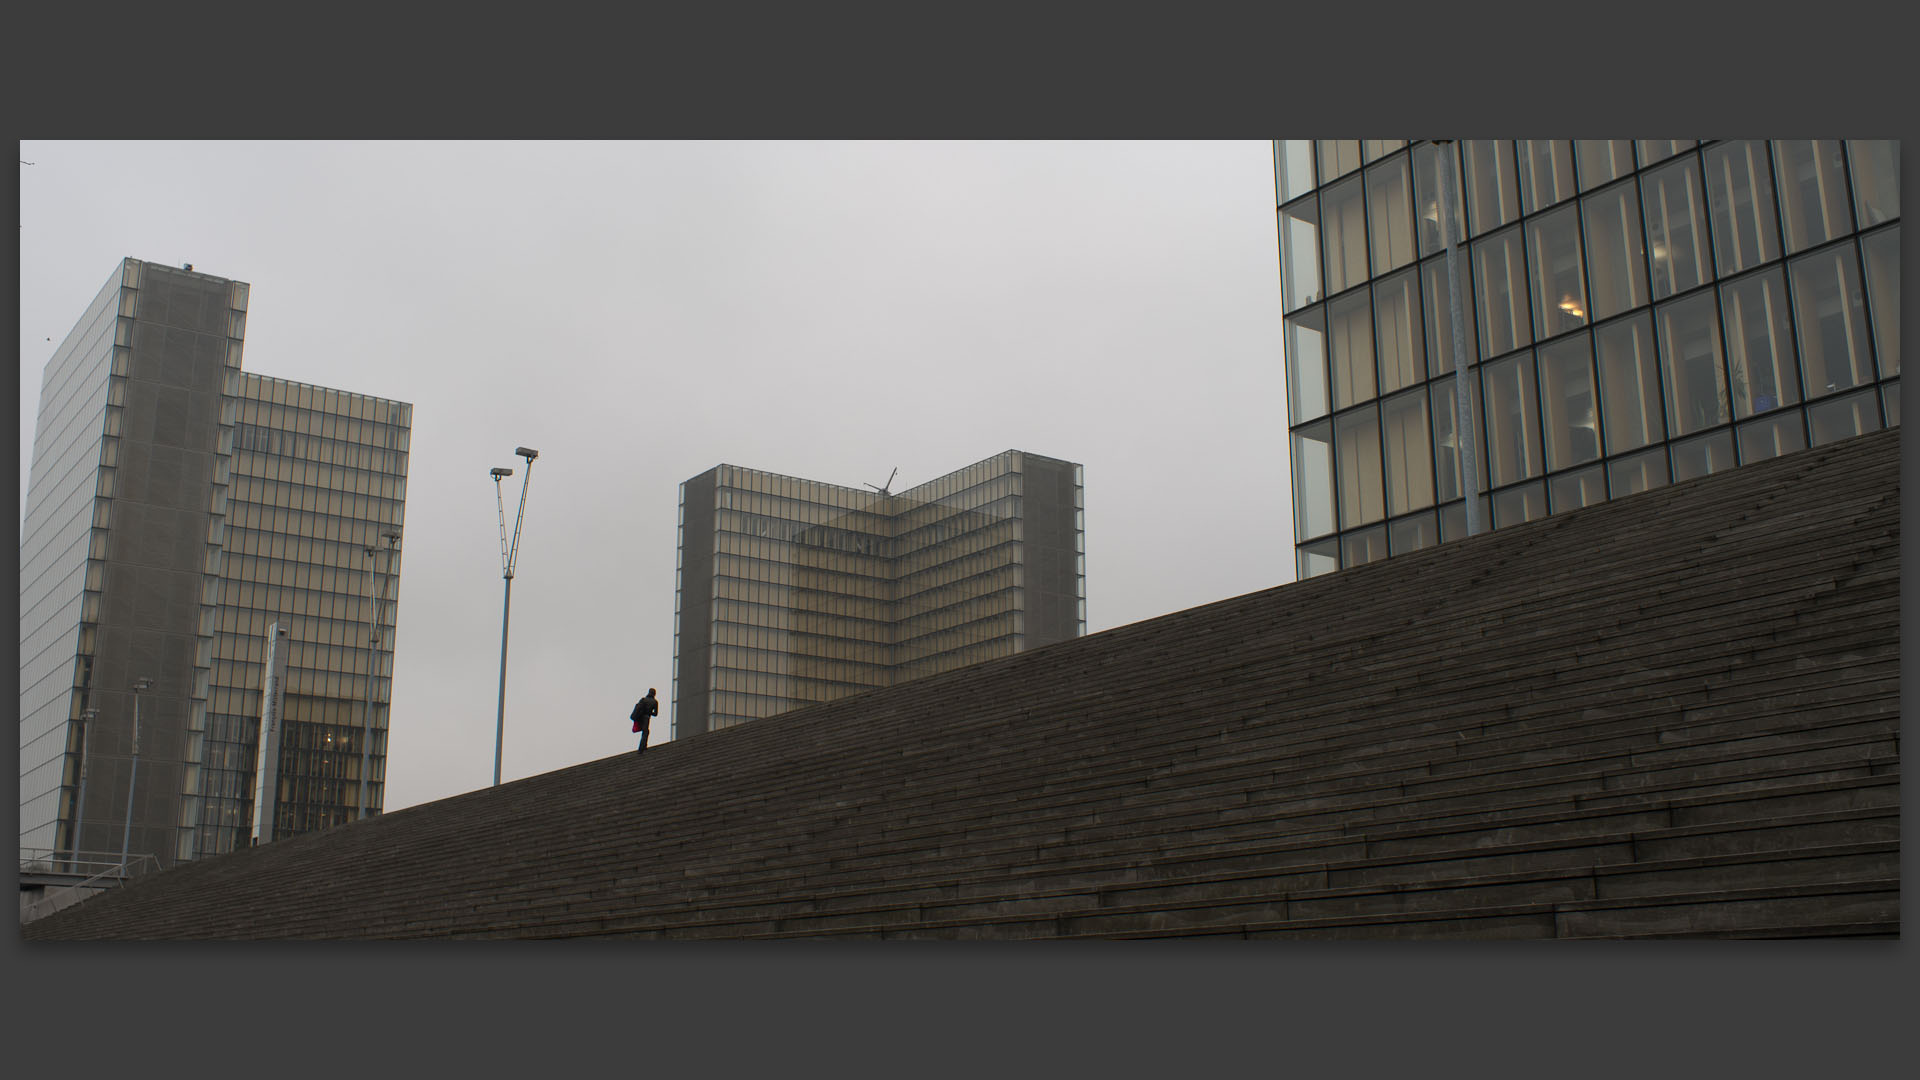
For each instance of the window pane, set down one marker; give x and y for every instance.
(1343, 235)
(1559, 296)
(1513, 425)
(1641, 472)
(1630, 381)
(1843, 417)
(1361, 548)
(1390, 215)
(1602, 160)
(1396, 331)
(1375, 149)
(1546, 172)
(1567, 398)
(1446, 460)
(1412, 534)
(1306, 365)
(1740, 192)
(1492, 192)
(1759, 343)
(1515, 506)
(1439, 310)
(1652, 150)
(1362, 499)
(1876, 180)
(1350, 330)
(1293, 167)
(1890, 398)
(1313, 481)
(1813, 191)
(1426, 182)
(1453, 518)
(1409, 453)
(1781, 433)
(1706, 454)
(1577, 489)
(1882, 252)
(1338, 157)
(1828, 307)
(1499, 284)
(1690, 362)
(1320, 558)
(1616, 256)
(1300, 252)
(1676, 227)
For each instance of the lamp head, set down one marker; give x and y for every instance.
(526, 453)
(143, 684)
(390, 535)
(498, 473)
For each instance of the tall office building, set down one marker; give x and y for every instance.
(179, 509)
(792, 592)
(1632, 313)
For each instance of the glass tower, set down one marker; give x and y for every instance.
(177, 506)
(793, 592)
(1633, 313)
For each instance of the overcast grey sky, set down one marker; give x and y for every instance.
(640, 312)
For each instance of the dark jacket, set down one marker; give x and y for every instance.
(645, 707)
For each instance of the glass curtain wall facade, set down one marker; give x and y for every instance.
(1633, 313)
(145, 529)
(794, 592)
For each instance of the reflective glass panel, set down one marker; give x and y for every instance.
(1641, 472)
(1740, 193)
(1319, 558)
(1438, 306)
(1602, 160)
(1559, 291)
(1390, 214)
(1358, 549)
(1313, 480)
(1350, 331)
(1759, 343)
(1500, 286)
(1696, 379)
(1771, 436)
(1830, 311)
(1413, 533)
(1306, 365)
(1453, 518)
(1571, 491)
(1546, 172)
(1706, 454)
(1396, 330)
(1676, 227)
(1343, 235)
(1357, 456)
(1375, 149)
(1513, 424)
(1293, 167)
(1616, 257)
(1409, 461)
(1890, 399)
(1515, 506)
(1426, 182)
(1813, 191)
(1843, 417)
(1300, 252)
(1876, 180)
(1882, 254)
(1571, 422)
(1493, 196)
(1630, 381)
(1446, 460)
(1338, 157)
(1652, 150)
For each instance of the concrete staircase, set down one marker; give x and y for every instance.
(1673, 715)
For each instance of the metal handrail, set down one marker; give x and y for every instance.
(42, 859)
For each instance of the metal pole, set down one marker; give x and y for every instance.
(126, 835)
(1463, 433)
(500, 720)
(80, 801)
(366, 716)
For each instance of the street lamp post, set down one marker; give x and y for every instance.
(392, 537)
(126, 835)
(87, 717)
(508, 555)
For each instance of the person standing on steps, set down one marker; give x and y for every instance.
(644, 712)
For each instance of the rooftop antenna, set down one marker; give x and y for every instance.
(883, 488)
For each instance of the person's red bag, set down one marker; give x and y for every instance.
(636, 725)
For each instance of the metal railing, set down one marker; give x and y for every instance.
(101, 867)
